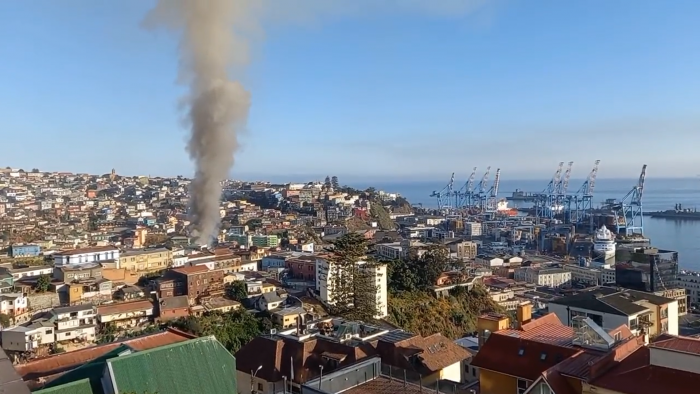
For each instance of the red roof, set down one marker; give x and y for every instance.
(677, 344)
(524, 358)
(635, 375)
(192, 269)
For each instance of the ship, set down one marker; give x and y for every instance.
(502, 208)
(604, 242)
(519, 195)
(677, 213)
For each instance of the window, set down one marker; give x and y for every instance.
(260, 387)
(521, 352)
(543, 356)
(522, 386)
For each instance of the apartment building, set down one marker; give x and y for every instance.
(146, 260)
(690, 281)
(28, 272)
(374, 273)
(473, 229)
(465, 250)
(75, 323)
(199, 281)
(96, 254)
(610, 307)
(540, 276)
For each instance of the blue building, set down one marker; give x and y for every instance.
(25, 250)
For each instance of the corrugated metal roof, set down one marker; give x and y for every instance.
(199, 365)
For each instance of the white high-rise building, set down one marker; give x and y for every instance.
(377, 275)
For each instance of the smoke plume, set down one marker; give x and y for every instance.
(216, 107)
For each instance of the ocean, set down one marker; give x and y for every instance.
(659, 194)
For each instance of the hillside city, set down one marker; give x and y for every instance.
(316, 288)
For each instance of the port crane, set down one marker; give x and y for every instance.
(629, 219)
(563, 187)
(545, 202)
(580, 204)
(444, 196)
(465, 195)
(482, 195)
(492, 199)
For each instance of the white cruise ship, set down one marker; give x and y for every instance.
(604, 242)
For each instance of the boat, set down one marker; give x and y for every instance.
(678, 213)
(502, 208)
(604, 242)
(519, 195)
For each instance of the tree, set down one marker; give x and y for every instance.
(233, 329)
(431, 264)
(5, 320)
(327, 183)
(35, 170)
(237, 290)
(334, 183)
(401, 276)
(43, 283)
(352, 279)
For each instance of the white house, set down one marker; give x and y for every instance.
(75, 322)
(609, 308)
(29, 336)
(86, 255)
(13, 303)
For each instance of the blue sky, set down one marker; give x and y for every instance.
(408, 90)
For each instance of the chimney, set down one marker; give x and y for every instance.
(524, 313)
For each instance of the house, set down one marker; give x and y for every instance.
(13, 304)
(28, 337)
(75, 323)
(511, 360)
(323, 347)
(172, 308)
(288, 317)
(128, 293)
(268, 301)
(128, 314)
(610, 307)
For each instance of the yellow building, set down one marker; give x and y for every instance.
(145, 261)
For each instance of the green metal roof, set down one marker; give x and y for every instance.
(77, 387)
(200, 365)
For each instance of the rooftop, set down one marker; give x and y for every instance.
(622, 302)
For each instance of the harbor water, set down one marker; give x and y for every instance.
(659, 195)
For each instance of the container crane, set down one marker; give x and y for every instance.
(464, 196)
(545, 205)
(444, 196)
(481, 195)
(564, 185)
(492, 199)
(628, 212)
(583, 199)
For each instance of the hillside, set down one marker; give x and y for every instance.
(455, 316)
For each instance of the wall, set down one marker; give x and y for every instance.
(673, 318)
(43, 301)
(452, 372)
(674, 360)
(495, 383)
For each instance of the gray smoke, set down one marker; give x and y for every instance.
(216, 107)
